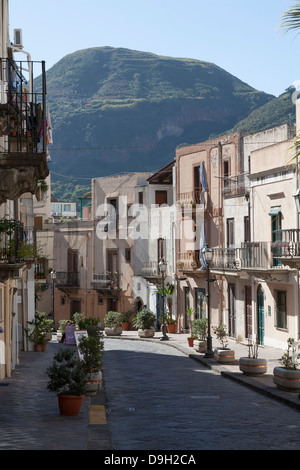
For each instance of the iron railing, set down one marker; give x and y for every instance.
(23, 109)
(107, 281)
(67, 279)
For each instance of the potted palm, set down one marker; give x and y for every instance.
(287, 377)
(223, 354)
(145, 322)
(112, 321)
(253, 365)
(67, 379)
(200, 330)
(171, 324)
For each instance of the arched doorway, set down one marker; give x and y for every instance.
(260, 316)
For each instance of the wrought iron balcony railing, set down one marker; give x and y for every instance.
(23, 108)
(107, 281)
(67, 279)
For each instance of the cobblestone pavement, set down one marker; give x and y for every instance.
(160, 399)
(178, 384)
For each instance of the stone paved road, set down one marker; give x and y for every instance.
(159, 399)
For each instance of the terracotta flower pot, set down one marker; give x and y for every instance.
(125, 326)
(191, 341)
(172, 328)
(69, 405)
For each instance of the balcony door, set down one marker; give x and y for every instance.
(112, 261)
(231, 310)
(72, 266)
(200, 303)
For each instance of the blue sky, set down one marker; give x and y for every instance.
(242, 37)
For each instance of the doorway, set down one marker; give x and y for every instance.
(260, 316)
(75, 307)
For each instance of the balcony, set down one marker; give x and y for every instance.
(225, 259)
(192, 198)
(11, 241)
(235, 186)
(286, 247)
(107, 284)
(189, 261)
(66, 281)
(251, 259)
(23, 129)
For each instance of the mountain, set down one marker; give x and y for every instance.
(274, 113)
(116, 110)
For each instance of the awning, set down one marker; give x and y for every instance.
(275, 211)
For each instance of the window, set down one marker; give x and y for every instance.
(67, 208)
(161, 197)
(246, 229)
(127, 255)
(200, 302)
(160, 249)
(141, 197)
(281, 311)
(230, 232)
(226, 173)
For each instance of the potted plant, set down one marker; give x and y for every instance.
(200, 330)
(40, 189)
(125, 320)
(223, 354)
(68, 381)
(39, 330)
(171, 324)
(112, 321)
(287, 377)
(253, 365)
(190, 312)
(91, 347)
(145, 322)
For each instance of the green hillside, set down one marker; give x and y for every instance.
(276, 112)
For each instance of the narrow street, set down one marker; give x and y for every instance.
(159, 399)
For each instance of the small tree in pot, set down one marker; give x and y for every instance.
(112, 321)
(224, 355)
(68, 380)
(200, 330)
(253, 365)
(145, 322)
(287, 377)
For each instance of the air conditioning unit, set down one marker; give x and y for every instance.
(18, 40)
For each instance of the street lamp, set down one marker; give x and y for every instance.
(208, 256)
(162, 268)
(53, 277)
